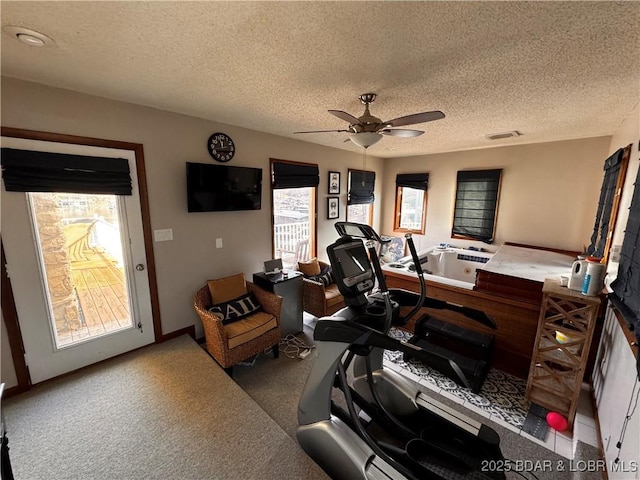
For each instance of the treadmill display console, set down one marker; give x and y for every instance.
(353, 268)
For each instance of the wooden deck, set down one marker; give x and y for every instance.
(102, 293)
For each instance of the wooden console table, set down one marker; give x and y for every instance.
(558, 364)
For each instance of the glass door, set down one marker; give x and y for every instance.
(80, 249)
(78, 268)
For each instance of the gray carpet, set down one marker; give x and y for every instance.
(276, 386)
(162, 412)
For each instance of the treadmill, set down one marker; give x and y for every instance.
(389, 429)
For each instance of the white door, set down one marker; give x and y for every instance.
(77, 264)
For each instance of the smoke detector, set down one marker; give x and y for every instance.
(28, 36)
(498, 136)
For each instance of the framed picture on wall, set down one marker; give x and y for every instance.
(334, 183)
(333, 208)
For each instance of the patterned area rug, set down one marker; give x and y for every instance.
(501, 397)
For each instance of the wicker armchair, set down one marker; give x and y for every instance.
(226, 343)
(319, 300)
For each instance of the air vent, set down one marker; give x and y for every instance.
(498, 136)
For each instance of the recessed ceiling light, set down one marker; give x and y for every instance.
(28, 36)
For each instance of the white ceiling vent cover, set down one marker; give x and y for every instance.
(498, 136)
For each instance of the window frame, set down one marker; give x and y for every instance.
(313, 208)
(371, 205)
(398, 213)
(614, 206)
(495, 211)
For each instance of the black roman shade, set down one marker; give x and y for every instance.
(607, 193)
(30, 171)
(295, 175)
(361, 186)
(476, 202)
(626, 286)
(418, 181)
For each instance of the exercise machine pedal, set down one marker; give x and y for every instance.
(451, 349)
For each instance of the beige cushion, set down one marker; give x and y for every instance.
(249, 328)
(227, 288)
(332, 295)
(309, 268)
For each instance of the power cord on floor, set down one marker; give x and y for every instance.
(294, 347)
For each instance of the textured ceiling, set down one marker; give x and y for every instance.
(551, 70)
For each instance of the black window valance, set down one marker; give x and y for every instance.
(295, 175)
(361, 186)
(607, 193)
(419, 181)
(31, 171)
(476, 202)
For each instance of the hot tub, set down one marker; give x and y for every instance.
(449, 266)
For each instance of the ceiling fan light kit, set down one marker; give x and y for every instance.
(367, 130)
(365, 139)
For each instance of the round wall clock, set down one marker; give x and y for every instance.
(221, 147)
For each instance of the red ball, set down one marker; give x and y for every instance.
(556, 421)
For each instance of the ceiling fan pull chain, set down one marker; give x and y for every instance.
(364, 162)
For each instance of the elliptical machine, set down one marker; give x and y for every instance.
(390, 429)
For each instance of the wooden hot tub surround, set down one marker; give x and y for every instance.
(513, 302)
(517, 320)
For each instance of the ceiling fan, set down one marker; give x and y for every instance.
(367, 130)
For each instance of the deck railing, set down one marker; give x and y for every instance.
(287, 236)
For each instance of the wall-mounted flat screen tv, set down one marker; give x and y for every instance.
(223, 188)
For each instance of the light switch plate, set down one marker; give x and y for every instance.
(218, 243)
(163, 235)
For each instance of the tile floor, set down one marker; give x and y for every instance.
(562, 443)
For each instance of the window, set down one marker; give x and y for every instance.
(476, 205)
(626, 286)
(360, 197)
(615, 171)
(294, 200)
(411, 202)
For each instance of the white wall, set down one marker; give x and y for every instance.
(184, 264)
(615, 374)
(548, 196)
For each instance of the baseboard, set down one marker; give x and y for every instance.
(190, 330)
(15, 390)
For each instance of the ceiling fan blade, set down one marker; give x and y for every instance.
(347, 117)
(415, 118)
(323, 131)
(401, 132)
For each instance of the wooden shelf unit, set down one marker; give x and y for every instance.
(557, 368)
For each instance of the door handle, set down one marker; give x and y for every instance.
(140, 267)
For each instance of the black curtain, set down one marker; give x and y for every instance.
(361, 186)
(418, 181)
(295, 175)
(30, 171)
(626, 286)
(476, 201)
(603, 215)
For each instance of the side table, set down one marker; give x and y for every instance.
(565, 329)
(289, 287)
